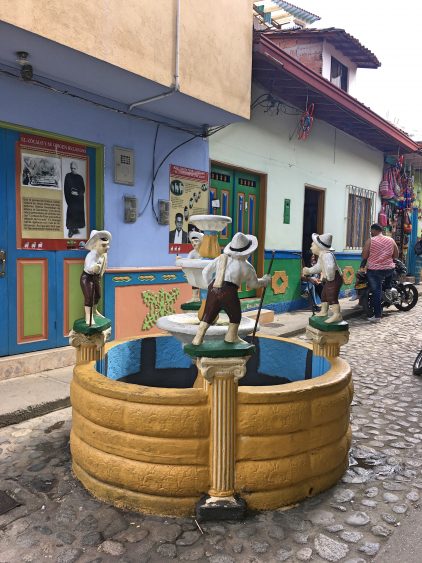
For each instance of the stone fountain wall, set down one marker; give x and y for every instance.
(147, 448)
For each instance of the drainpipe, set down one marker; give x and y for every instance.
(176, 86)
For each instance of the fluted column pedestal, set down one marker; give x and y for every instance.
(89, 347)
(327, 340)
(222, 365)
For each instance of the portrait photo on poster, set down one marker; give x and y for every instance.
(178, 235)
(41, 171)
(74, 173)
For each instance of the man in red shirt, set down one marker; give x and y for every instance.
(378, 256)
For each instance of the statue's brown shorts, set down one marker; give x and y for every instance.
(222, 298)
(331, 290)
(90, 284)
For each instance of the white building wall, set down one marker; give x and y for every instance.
(329, 159)
(329, 51)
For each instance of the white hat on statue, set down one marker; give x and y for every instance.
(97, 235)
(195, 235)
(241, 245)
(323, 241)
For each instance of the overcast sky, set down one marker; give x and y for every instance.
(392, 30)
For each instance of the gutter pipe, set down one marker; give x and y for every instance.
(176, 85)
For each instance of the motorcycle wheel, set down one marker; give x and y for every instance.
(409, 297)
(417, 365)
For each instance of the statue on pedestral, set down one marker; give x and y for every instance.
(94, 268)
(224, 275)
(195, 238)
(330, 275)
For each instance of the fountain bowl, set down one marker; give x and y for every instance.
(183, 326)
(214, 223)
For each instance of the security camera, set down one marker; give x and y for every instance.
(26, 69)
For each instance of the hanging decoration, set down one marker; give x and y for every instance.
(398, 195)
(306, 121)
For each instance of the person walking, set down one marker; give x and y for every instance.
(378, 255)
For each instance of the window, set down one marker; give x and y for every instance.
(339, 74)
(360, 216)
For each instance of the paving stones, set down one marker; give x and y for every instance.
(329, 549)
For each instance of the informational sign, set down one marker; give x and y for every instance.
(52, 187)
(188, 196)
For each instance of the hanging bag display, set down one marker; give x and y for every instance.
(386, 186)
(382, 217)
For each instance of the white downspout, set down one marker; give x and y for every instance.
(176, 86)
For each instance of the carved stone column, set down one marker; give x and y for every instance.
(89, 347)
(327, 341)
(222, 375)
(220, 366)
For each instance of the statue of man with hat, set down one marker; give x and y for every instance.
(94, 268)
(330, 274)
(224, 276)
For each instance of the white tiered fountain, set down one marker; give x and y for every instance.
(184, 325)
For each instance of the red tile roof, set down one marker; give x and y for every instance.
(342, 41)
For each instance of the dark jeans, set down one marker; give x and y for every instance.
(375, 279)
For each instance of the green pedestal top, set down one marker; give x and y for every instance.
(101, 324)
(192, 306)
(320, 324)
(219, 349)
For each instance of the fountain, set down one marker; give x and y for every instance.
(184, 325)
(156, 433)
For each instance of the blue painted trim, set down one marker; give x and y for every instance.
(411, 256)
(4, 281)
(348, 255)
(109, 301)
(283, 254)
(297, 254)
(159, 278)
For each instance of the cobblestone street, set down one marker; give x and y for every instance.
(57, 520)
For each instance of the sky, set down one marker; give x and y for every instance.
(392, 30)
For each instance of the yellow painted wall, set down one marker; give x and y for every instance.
(139, 36)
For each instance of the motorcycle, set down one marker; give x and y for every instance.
(403, 295)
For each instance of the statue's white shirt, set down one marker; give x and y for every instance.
(238, 271)
(326, 266)
(94, 257)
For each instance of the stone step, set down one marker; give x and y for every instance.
(36, 362)
(266, 316)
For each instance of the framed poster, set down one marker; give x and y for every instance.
(188, 196)
(52, 190)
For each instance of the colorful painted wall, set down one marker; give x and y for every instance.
(284, 294)
(140, 244)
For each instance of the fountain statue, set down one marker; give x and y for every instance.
(195, 238)
(95, 265)
(223, 276)
(330, 273)
(90, 333)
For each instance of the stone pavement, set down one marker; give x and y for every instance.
(372, 512)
